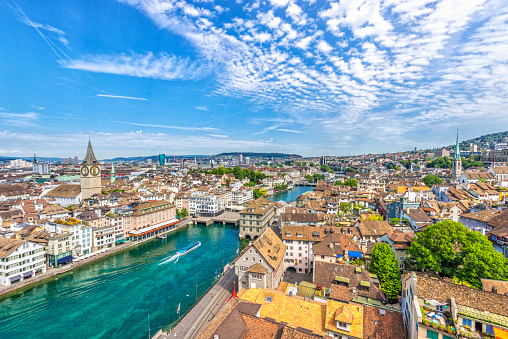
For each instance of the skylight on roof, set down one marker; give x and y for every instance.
(268, 299)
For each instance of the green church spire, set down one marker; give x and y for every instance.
(113, 177)
(457, 151)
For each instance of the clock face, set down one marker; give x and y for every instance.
(95, 171)
(84, 171)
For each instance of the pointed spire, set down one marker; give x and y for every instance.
(35, 159)
(457, 150)
(112, 168)
(89, 157)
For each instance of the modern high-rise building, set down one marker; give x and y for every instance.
(69, 160)
(322, 161)
(149, 161)
(64, 161)
(162, 159)
(247, 160)
(90, 174)
(76, 161)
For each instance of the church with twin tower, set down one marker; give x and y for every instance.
(90, 174)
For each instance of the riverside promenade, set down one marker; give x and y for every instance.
(196, 320)
(51, 272)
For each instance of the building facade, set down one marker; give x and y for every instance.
(256, 217)
(20, 260)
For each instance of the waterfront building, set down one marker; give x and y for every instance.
(72, 226)
(241, 196)
(256, 217)
(457, 162)
(261, 264)
(20, 260)
(148, 218)
(116, 220)
(86, 239)
(205, 204)
(103, 237)
(90, 174)
(59, 250)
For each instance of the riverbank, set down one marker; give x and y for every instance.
(290, 195)
(52, 272)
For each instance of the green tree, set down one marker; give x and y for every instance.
(309, 178)
(262, 191)
(452, 250)
(184, 213)
(350, 169)
(255, 193)
(326, 168)
(385, 266)
(390, 166)
(430, 180)
(318, 177)
(238, 172)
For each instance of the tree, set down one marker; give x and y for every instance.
(184, 213)
(452, 250)
(326, 168)
(385, 266)
(430, 180)
(255, 193)
(350, 169)
(262, 191)
(390, 166)
(309, 178)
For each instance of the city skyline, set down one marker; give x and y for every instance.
(305, 77)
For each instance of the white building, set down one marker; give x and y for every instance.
(242, 196)
(75, 230)
(20, 260)
(205, 204)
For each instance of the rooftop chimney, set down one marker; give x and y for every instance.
(494, 289)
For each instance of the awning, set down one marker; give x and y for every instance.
(355, 254)
(65, 259)
(120, 241)
(18, 277)
(500, 333)
(339, 255)
(27, 274)
(364, 283)
(342, 279)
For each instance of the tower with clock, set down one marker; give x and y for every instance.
(90, 174)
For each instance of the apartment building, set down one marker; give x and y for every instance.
(205, 204)
(256, 217)
(261, 265)
(440, 309)
(20, 260)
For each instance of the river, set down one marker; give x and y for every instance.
(290, 195)
(112, 297)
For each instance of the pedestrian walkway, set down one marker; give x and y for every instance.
(202, 314)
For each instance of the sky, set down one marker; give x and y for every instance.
(142, 77)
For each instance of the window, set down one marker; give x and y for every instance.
(467, 322)
(343, 326)
(256, 276)
(245, 258)
(432, 335)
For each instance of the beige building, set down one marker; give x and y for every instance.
(90, 175)
(256, 217)
(261, 264)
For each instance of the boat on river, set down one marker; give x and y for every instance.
(189, 248)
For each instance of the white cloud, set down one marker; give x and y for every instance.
(27, 119)
(180, 128)
(304, 43)
(279, 3)
(120, 97)
(202, 108)
(324, 47)
(162, 66)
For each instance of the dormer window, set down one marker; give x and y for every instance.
(343, 326)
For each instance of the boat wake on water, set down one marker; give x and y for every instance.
(181, 252)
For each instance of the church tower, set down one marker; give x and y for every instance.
(90, 174)
(457, 162)
(113, 177)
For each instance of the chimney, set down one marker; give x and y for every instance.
(494, 289)
(407, 211)
(331, 246)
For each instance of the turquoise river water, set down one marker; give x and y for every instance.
(290, 195)
(112, 297)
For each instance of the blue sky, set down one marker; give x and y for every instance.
(204, 77)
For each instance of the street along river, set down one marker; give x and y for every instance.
(112, 297)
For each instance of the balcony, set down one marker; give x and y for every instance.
(440, 321)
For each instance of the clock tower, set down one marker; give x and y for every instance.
(90, 174)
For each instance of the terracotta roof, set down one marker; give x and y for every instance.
(64, 191)
(500, 169)
(334, 244)
(374, 228)
(260, 206)
(479, 175)
(484, 216)
(300, 217)
(270, 247)
(326, 272)
(260, 328)
(7, 246)
(356, 315)
(499, 286)
(341, 293)
(257, 268)
(382, 324)
(442, 291)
